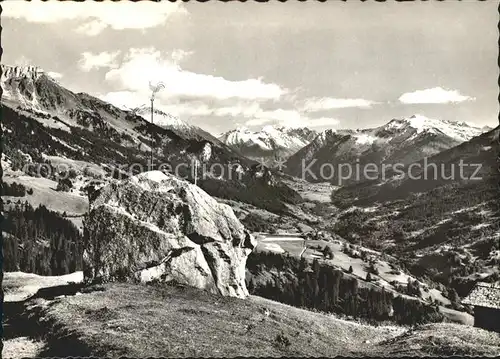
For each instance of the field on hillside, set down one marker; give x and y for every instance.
(44, 192)
(386, 272)
(314, 192)
(388, 275)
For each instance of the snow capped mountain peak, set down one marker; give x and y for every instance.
(26, 85)
(243, 129)
(420, 122)
(268, 140)
(12, 72)
(162, 119)
(459, 131)
(402, 140)
(270, 129)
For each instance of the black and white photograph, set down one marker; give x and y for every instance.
(228, 179)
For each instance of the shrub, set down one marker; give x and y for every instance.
(372, 269)
(64, 185)
(328, 252)
(14, 189)
(18, 161)
(282, 341)
(72, 174)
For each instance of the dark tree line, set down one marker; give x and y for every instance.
(322, 287)
(15, 189)
(40, 241)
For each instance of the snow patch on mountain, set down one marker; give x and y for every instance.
(460, 131)
(13, 72)
(287, 140)
(415, 126)
(365, 138)
(403, 140)
(162, 119)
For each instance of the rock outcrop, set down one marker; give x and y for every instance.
(154, 226)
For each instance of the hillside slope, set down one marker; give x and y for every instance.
(443, 226)
(196, 323)
(478, 156)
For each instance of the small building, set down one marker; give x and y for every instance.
(485, 297)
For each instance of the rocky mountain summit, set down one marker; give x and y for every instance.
(154, 226)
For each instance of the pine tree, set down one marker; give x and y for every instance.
(453, 296)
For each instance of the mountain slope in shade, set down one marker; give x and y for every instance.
(478, 156)
(161, 118)
(171, 122)
(270, 141)
(443, 222)
(32, 88)
(400, 141)
(42, 118)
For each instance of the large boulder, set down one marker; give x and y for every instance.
(154, 226)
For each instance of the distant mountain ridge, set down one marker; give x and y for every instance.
(404, 141)
(270, 141)
(171, 122)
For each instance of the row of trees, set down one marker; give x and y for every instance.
(40, 241)
(15, 189)
(322, 287)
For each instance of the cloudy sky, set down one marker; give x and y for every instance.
(224, 65)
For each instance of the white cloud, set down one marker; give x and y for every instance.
(91, 28)
(23, 61)
(328, 103)
(187, 94)
(143, 65)
(178, 55)
(250, 110)
(258, 122)
(96, 16)
(322, 122)
(280, 116)
(434, 95)
(289, 118)
(54, 75)
(124, 99)
(90, 61)
(187, 110)
(237, 110)
(131, 99)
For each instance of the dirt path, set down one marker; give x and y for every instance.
(21, 339)
(24, 335)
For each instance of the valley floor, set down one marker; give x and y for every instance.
(72, 320)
